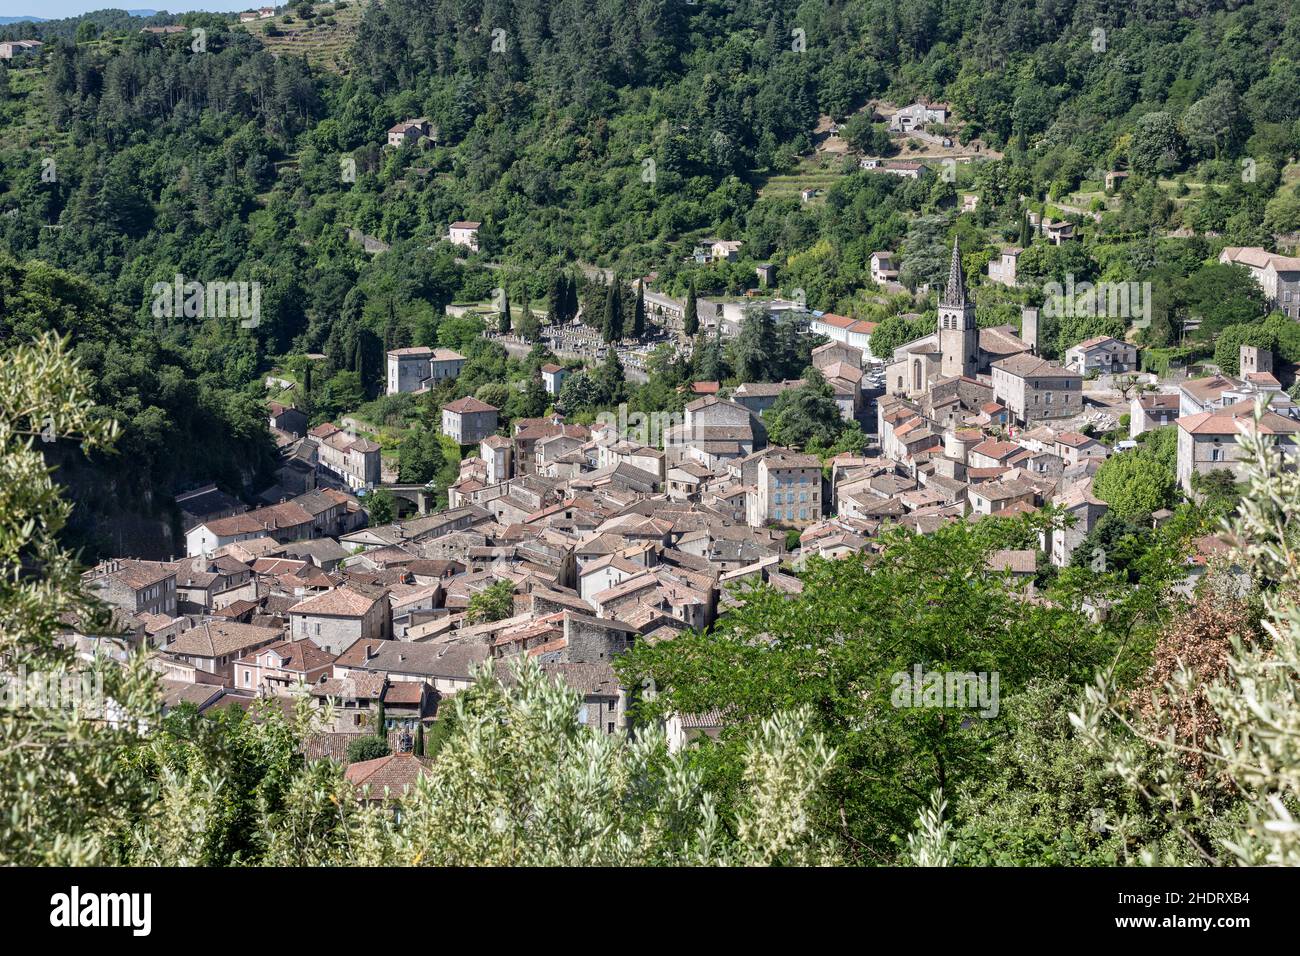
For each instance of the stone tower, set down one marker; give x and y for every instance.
(958, 334)
(1029, 328)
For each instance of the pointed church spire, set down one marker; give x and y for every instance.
(955, 294)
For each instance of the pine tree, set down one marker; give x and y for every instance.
(691, 320)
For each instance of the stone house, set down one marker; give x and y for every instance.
(1151, 411)
(917, 116)
(468, 420)
(214, 646)
(1034, 389)
(352, 459)
(281, 667)
(787, 490)
(1102, 354)
(337, 619)
(1278, 276)
(137, 587)
(1209, 441)
(1002, 267)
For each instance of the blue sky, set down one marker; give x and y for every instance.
(55, 9)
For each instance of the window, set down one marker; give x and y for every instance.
(611, 705)
(609, 728)
(248, 677)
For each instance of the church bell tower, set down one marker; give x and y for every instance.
(958, 334)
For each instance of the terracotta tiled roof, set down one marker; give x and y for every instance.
(388, 777)
(340, 602)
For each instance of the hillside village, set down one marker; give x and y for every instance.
(648, 435)
(568, 543)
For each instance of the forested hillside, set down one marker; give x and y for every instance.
(617, 134)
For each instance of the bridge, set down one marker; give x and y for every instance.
(416, 498)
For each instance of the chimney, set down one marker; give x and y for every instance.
(370, 651)
(1029, 327)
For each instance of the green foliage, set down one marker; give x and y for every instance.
(1222, 296)
(493, 603)
(367, 747)
(381, 506)
(62, 795)
(836, 647)
(422, 457)
(1049, 799)
(1137, 482)
(1245, 721)
(806, 415)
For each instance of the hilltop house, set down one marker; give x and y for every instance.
(410, 131)
(918, 116)
(1002, 269)
(464, 232)
(14, 48)
(418, 368)
(553, 377)
(884, 268)
(1278, 276)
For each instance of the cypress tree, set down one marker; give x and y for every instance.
(638, 311)
(504, 326)
(613, 326)
(691, 320)
(571, 297)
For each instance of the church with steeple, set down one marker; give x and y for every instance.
(958, 349)
(958, 334)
